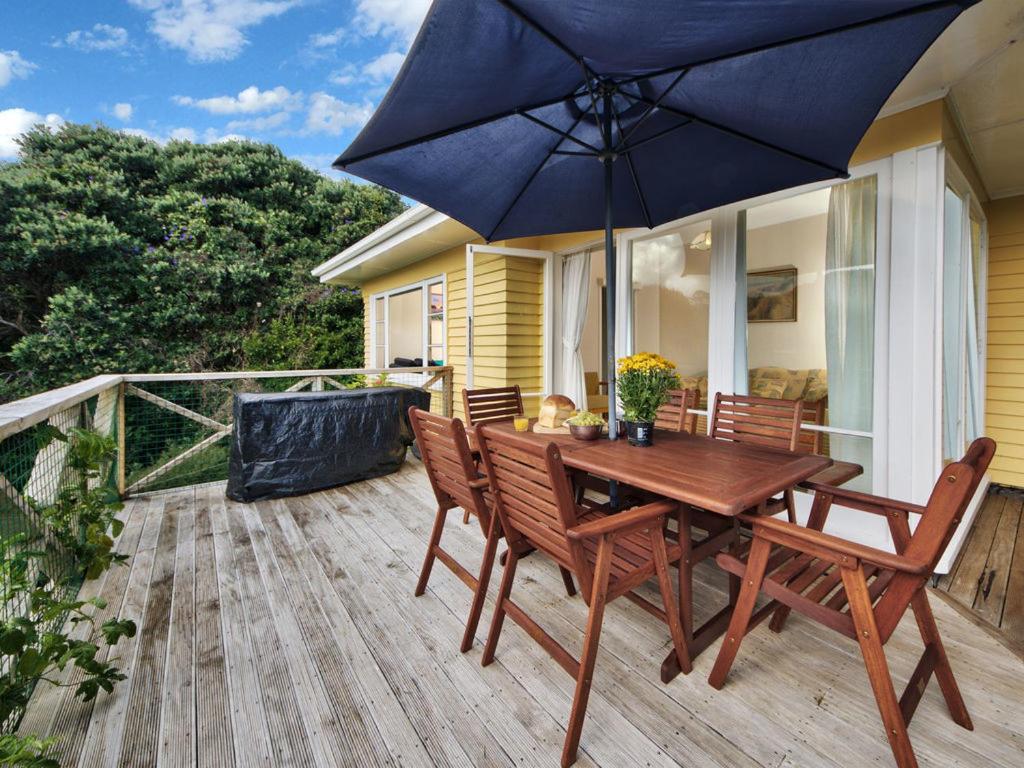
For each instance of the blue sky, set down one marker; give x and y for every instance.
(302, 74)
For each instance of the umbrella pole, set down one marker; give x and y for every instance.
(609, 280)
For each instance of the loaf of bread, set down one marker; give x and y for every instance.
(554, 410)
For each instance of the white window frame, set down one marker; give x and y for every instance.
(424, 287)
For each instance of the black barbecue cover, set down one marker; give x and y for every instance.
(289, 443)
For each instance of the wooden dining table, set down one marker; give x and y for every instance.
(721, 476)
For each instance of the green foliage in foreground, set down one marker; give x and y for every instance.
(118, 254)
(48, 628)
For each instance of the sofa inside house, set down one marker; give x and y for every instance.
(807, 384)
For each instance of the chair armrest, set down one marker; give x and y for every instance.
(792, 535)
(480, 482)
(864, 502)
(637, 516)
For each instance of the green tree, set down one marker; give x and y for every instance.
(119, 254)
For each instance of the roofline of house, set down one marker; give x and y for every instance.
(406, 225)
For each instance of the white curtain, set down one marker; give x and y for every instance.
(575, 292)
(850, 316)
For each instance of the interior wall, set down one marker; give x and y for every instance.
(799, 243)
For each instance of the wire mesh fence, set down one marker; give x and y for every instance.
(35, 470)
(178, 429)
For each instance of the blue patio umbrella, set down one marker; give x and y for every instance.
(532, 117)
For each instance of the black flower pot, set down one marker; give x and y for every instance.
(640, 433)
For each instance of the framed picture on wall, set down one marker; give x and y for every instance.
(771, 296)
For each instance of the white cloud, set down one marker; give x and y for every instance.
(102, 37)
(267, 123)
(123, 111)
(14, 122)
(209, 136)
(13, 66)
(398, 19)
(248, 101)
(344, 76)
(327, 39)
(330, 115)
(384, 67)
(209, 30)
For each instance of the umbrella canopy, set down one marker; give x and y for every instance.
(527, 117)
(496, 115)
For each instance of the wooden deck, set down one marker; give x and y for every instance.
(988, 575)
(286, 633)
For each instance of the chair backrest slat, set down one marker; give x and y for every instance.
(531, 492)
(449, 463)
(810, 441)
(759, 420)
(677, 414)
(494, 404)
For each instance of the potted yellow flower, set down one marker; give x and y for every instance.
(644, 380)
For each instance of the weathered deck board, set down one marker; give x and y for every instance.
(286, 633)
(988, 576)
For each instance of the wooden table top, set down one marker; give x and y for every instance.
(717, 475)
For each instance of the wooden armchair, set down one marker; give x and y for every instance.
(677, 414)
(761, 421)
(860, 591)
(495, 404)
(456, 483)
(611, 555)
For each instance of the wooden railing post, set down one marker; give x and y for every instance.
(449, 392)
(122, 456)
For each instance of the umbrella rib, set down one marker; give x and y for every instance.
(453, 129)
(529, 181)
(906, 12)
(632, 170)
(547, 34)
(560, 132)
(650, 110)
(627, 149)
(741, 135)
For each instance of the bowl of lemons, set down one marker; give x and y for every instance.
(584, 425)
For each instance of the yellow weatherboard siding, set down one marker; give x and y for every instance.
(1004, 396)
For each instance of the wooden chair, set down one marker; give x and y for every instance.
(495, 404)
(860, 591)
(611, 555)
(457, 483)
(677, 414)
(761, 421)
(811, 441)
(597, 400)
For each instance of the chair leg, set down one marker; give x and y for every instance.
(754, 574)
(877, 667)
(790, 498)
(465, 516)
(943, 672)
(570, 587)
(428, 561)
(816, 522)
(480, 594)
(602, 569)
(675, 625)
(499, 608)
(685, 525)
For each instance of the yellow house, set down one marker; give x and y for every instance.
(913, 344)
